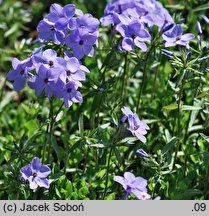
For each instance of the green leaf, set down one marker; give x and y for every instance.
(13, 29)
(202, 7)
(187, 107)
(32, 126)
(7, 98)
(193, 192)
(118, 156)
(169, 145)
(59, 116)
(206, 138)
(80, 125)
(173, 106)
(99, 145)
(127, 140)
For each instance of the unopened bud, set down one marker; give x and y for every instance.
(199, 29)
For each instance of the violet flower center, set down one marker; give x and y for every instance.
(68, 73)
(136, 128)
(46, 80)
(81, 42)
(22, 72)
(52, 28)
(51, 63)
(69, 90)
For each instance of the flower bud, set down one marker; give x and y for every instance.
(142, 153)
(169, 54)
(199, 29)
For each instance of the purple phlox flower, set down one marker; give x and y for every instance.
(73, 70)
(161, 16)
(166, 27)
(137, 127)
(46, 58)
(87, 21)
(81, 43)
(36, 174)
(135, 14)
(176, 37)
(61, 16)
(46, 79)
(29, 61)
(54, 25)
(48, 31)
(18, 75)
(112, 10)
(133, 185)
(142, 153)
(70, 94)
(134, 33)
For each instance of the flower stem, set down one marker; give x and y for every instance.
(179, 121)
(147, 55)
(107, 173)
(51, 116)
(142, 86)
(124, 79)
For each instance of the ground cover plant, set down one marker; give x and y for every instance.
(105, 100)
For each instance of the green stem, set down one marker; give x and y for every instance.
(3, 88)
(179, 122)
(124, 79)
(45, 140)
(51, 114)
(153, 45)
(58, 111)
(142, 87)
(107, 173)
(66, 161)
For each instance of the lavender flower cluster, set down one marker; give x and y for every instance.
(132, 19)
(76, 33)
(83, 29)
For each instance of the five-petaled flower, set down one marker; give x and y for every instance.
(137, 127)
(176, 37)
(36, 174)
(134, 185)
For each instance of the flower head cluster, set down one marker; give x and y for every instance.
(137, 127)
(68, 25)
(130, 19)
(58, 75)
(133, 185)
(53, 75)
(36, 174)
